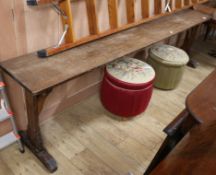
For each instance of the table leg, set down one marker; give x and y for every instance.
(168, 144)
(175, 131)
(208, 30)
(191, 36)
(32, 137)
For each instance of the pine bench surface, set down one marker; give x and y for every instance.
(37, 75)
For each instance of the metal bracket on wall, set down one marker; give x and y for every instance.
(167, 6)
(66, 26)
(63, 8)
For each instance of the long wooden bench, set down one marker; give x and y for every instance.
(39, 77)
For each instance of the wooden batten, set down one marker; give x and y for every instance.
(145, 8)
(130, 11)
(187, 2)
(178, 4)
(66, 7)
(157, 7)
(194, 1)
(113, 13)
(92, 17)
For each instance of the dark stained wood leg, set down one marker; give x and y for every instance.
(175, 131)
(189, 40)
(181, 124)
(32, 137)
(165, 148)
(208, 30)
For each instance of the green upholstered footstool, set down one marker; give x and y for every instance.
(169, 63)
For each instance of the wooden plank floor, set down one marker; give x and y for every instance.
(87, 140)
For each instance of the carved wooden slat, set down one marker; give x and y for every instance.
(92, 17)
(145, 8)
(113, 13)
(157, 7)
(194, 1)
(130, 11)
(187, 2)
(178, 4)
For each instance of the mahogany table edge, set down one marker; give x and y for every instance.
(178, 128)
(198, 118)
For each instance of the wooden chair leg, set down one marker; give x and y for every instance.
(164, 150)
(208, 30)
(191, 36)
(175, 131)
(214, 33)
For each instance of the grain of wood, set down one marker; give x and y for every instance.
(65, 167)
(178, 4)
(143, 156)
(145, 5)
(89, 164)
(64, 142)
(157, 7)
(101, 124)
(21, 164)
(187, 2)
(4, 169)
(130, 11)
(104, 150)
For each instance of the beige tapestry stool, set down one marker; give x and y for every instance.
(169, 63)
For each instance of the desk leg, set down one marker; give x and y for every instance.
(32, 137)
(189, 40)
(175, 132)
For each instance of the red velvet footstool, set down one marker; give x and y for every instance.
(127, 87)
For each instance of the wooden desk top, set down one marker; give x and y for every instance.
(194, 155)
(201, 102)
(37, 75)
